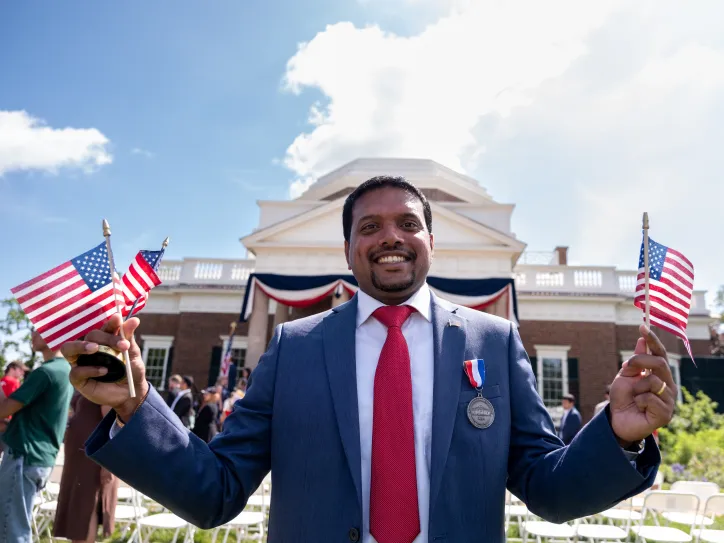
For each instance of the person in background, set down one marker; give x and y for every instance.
(600, 406)
(10, 382)
(206, 426)
(14, 372)
(183, 403)
(235, 397)
(571, 421)
(32, 440)
(174, 386)
(88, 493)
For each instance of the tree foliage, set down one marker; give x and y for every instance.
(693, 443)
(719, 302)
(14, 334)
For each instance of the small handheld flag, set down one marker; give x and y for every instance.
(664, 287)
(70, 300)
(140, 278)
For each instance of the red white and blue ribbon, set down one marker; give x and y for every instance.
(304, 291)
(475, 370)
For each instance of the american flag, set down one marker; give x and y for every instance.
(140, 278)
(671, 283)
(72, 299)
(226, 362)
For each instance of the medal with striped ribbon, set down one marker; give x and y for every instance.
(481, 413)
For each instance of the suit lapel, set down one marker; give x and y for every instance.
(449, 344)
(339, 350)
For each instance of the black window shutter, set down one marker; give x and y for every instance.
(534, 365)
(169, 367)
(573, 381)
(215, 365)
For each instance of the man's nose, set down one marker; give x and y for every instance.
(391, 235)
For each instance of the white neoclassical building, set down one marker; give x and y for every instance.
(577, 322)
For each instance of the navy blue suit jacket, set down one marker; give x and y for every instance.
(299, 418)
(571, 426)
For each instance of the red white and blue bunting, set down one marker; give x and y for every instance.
(306, 290)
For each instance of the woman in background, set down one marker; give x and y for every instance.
(88, 493)
(206, 427)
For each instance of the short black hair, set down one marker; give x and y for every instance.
(379, 182)
(570, 397)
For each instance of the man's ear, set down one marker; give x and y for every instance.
(432, 244)
(346, 254)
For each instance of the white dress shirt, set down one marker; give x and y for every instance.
(370, 336)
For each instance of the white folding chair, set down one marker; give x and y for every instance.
(622, 514)
(162, 521)
(543, 530)
(129, 512)
(515, 511)
(593, 531)
(714, 507)
(240, 525)
(704, 490)
(666, 501)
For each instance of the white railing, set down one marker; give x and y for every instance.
(558, 280)
(206, 271)
(605, 281)
(592, 279)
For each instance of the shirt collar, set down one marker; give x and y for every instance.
(366, 304)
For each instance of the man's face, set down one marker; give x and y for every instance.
(566, 404)
(37, 342)
(16, 373)
(389, 250)
(173, 385)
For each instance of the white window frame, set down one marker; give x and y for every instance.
(158, 342)
(552, 351)
(240, 342)
(674, 362)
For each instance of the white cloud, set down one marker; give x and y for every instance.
(26, 143)
(423, 95)
(584, 114)
(142, 152)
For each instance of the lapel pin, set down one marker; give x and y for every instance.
(453, 323)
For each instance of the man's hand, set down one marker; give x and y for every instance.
(639, 402)
(114, 395)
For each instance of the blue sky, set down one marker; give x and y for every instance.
(182, 115)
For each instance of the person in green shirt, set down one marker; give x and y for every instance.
(39, 410)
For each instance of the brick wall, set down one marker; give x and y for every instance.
(195, 335)
(592, 343)
(627, 336)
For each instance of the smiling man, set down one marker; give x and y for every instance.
(394, 418)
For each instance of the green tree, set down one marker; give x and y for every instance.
(719, 302)
(14, 334)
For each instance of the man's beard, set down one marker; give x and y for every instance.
(395, 287)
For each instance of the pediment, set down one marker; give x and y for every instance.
(322, 226)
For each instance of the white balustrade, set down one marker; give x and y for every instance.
(206, 271)
(573, 280)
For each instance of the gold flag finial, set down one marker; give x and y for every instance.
(232, 327)
(106, 228)
(165, 242)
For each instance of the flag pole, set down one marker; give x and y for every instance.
(133, 307)
(647, 304)
(126, 358)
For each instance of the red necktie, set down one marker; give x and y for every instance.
(394, 514)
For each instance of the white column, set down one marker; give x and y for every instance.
(258, 325)
(281, 315)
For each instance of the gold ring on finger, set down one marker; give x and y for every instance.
(661, 390)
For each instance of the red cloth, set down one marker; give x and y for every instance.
(9, 385)
(394, 511)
